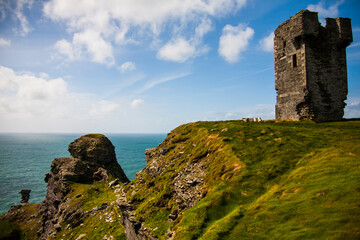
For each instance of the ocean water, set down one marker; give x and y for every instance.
(25, 158)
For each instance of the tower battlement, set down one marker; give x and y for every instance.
(310, 67)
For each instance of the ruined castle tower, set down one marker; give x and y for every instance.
(310, 67)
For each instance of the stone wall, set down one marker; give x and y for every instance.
(310, 67)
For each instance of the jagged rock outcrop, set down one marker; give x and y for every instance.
(92, 159)
(187, 187)
(134, 229)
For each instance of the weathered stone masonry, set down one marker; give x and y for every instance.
(310, 67)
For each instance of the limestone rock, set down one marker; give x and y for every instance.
(94, 148)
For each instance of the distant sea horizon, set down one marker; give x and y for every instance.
(26, 157)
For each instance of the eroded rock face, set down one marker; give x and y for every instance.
(92, 159)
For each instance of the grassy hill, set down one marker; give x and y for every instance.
(267, 180)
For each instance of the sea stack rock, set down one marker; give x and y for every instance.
(93, 148)
(92, 159)
(25, 195)
(98, 153)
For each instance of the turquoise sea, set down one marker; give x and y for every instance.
(25, 158)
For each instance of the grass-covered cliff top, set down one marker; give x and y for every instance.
(267, 180)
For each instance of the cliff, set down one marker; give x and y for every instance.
(77, 195)
(210, 180)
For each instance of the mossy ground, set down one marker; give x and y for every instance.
(21, 228)
(104, 222)
(267, 180)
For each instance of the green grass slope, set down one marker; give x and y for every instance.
(267, 180)
(103, 223)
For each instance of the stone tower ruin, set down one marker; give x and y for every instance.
(310, 67)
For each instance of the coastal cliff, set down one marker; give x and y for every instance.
(77, 193)
(206, 180)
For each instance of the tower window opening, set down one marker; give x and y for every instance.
(294, 60)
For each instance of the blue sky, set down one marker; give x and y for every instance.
(146, 66)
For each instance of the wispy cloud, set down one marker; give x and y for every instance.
(251, 73)
(267, 43)
(178, 50)
(127, 67)
(136, 103)
(4, 42)
(102, 108)
(330, 11)
(16, 8)
(154, 83)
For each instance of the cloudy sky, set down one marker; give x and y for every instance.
(136, 66)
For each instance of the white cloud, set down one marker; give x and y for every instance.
(136, 103)
(66, 48)
(178, 50)
(44, 75)
(267, 43)
(87, 44)
(331, 11)
(203, 28)
(99, 50)
(25, 94)
(127, 67)
(233, 41)
(134, 21)
(4, 42)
